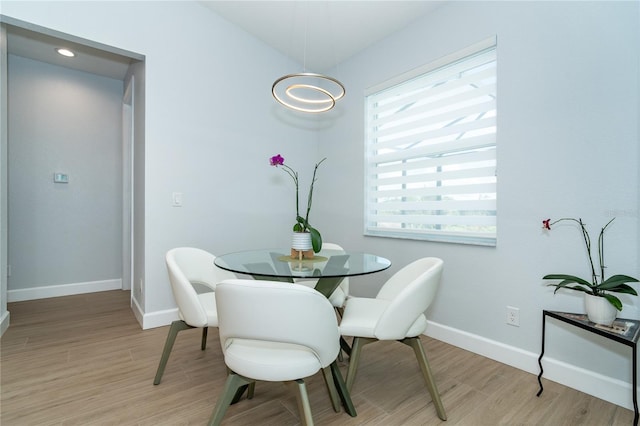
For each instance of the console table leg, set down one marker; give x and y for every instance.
(635, 385)
(541, 355)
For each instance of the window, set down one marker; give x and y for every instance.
(431, 151)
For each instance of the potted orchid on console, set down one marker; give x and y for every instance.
(302, 223)
(600, 304)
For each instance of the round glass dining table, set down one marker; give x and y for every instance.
(330, 267)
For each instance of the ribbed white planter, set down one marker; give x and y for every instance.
(301, 241)
(599, 310)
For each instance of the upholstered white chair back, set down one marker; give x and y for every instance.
(340, 294)
(188, 266)
(344, 284)
(410, 291)
(277, 312)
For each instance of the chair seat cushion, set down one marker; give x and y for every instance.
(337, 298)
(361, 315)
(270, 361)
(208, 302)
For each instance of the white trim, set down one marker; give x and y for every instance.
(612, 390)
(445, 60)
(46, 292)
(138, 312)
(4, 322)
(153, 319)
(159, 318)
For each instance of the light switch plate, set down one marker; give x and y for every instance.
(177, 199)
(60, 178)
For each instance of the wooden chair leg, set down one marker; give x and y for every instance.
(231, 386)
(331, 387)
(302, 397)
(203, 346)
(354, 358)
(421, 356)
(176, 327)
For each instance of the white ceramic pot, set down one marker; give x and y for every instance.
(599, 310)
(301, 241)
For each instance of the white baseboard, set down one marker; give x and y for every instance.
(4, 322)
(153, 319)
(603, 387)
(45, 292)
(138, 312)
(159, 318)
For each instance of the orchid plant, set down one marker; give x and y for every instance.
(302, 223)
(598, 286)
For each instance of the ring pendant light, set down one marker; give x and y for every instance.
(307, 91)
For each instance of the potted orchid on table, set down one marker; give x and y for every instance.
(302, 229)
(601, 305)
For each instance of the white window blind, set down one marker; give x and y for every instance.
(431, 151)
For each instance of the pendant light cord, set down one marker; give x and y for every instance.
(306, 28)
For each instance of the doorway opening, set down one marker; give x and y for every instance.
(82, 183)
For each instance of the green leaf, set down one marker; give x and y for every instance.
(316, 240)
(569, 278)
(613, 300)
(621, 288)
(297, 228)
(617, 284)
(615, 281)
(302, 221)
(565, 284)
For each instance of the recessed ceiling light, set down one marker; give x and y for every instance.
(65, 52)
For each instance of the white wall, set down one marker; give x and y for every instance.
(4, 314)
(210, 127)
(136, 75)
(568, 145)
(63, 234)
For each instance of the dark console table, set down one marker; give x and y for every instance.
(625, 331)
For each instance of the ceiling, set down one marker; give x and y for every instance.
(41, 47)
(316, 34)
(333, 30)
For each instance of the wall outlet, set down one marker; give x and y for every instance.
(513, 316)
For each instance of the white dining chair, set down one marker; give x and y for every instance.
(340, 294)
(275, 331)
(396, 313)
(188, 266)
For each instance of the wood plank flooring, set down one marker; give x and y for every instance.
(83, 360)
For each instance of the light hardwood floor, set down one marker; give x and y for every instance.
(83, 360)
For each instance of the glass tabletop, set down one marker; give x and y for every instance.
(279, 263)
